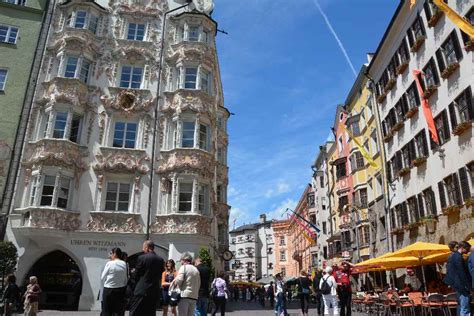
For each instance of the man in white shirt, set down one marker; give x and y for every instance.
(189, 281)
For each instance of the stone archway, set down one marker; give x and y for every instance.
(60, 279)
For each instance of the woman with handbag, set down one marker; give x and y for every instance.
(11, 296)
(167, 277)
(219, 294)
(304, 285)
(32, 296)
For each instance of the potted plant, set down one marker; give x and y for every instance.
(430, 90)
(462, 127)
(396, 127)
(401, 68)
(430, 222)
(469, 45)
(398, 231)
(411, 112)
(389, 85)
(413, 226)
(417, 44)
(451, 209)
(388, 137)
(404, 171)
(449, 70)
(435, 18)
(418, 161)
(469, 202)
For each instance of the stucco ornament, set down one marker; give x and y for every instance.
(189, 100)
(66, 90)
(56, 152)
(182, 224)
(204, 6)
(54, 219)
(190, 52)
(122, 160)
(182, 160)
(114, 222)
(128, 100)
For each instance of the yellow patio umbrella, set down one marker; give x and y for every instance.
(471, 242)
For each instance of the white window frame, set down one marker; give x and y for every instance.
(206, 143)
(48, 122)
(203, 205)
(119, 182)
(4, 83)
(186, 81)
(126, 122)
(71, 21)
(190, 183)
(35, 192)
(132, 68)
(136, 31)
(204, 73)
(8, 34)
(78, 70)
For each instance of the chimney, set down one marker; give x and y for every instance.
(263, 218)
(369, 57)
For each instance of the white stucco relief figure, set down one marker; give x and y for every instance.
(114, 222)
(54, 219)
(205, 6)
(178, 224)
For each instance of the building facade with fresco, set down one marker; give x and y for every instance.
(126, 141)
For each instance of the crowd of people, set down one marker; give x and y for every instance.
(16, 302)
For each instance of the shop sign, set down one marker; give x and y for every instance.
(98, 245)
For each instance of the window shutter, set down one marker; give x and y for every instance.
(424, 142)
(439, 57)
(433, 201)
(466, 193)
(410, 36)
(442, 197)
(457, 189)
(412, 150)
(421, 208)
(457, 47)
(470, 104)
(452, 115)
(389, 172)
(434, 71)
(446, 126)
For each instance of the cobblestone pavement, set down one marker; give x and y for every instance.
(234, 309)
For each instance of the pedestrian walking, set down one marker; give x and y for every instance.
(470, 266)
(261, 295)
(166, 278)
(459, 279)
(188, 281)
(318, 295)
(11, 297)
(328, 287)
(279, 294)
(304, 291)
(148, 273)
(203, 296)
(219, 294)
(344, 289)
(114, 281)
(32, 296)
(271, 294)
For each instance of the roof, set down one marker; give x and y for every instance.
(84, 2)
(356, 86)
(244, 227)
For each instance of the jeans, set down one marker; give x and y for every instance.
(279, 308)
(186, 306)
(464, 307)
(201, 307)
(330, 304)
(345, 300)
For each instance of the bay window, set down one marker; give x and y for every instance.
(187, 140)
(190, 78)
(193, 33)
(82, 19)
(185, 197)
(136, 32)
(221, 155)
(77, 67)
(50, 189)
(62, 124)
(131, 77)
(204, 137)
(203, 199)
(205, 81)
(117, 196)
(125, 134)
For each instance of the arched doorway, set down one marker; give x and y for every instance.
(60, 280)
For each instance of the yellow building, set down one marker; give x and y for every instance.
(365, 218)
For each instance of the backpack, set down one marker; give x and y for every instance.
(325, 287)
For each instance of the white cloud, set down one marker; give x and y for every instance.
(277, 212)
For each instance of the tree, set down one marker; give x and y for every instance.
(8, 259)
(206, 259)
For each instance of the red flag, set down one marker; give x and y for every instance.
(426, 107)
(311, 233)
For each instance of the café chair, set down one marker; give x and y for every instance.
(450, 303)
(434, 302)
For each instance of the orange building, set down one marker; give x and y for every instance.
(283, 262)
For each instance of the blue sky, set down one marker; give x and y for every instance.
(283, 74)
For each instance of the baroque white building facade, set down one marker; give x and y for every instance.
(126, 140)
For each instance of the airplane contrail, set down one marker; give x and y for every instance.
(341, 46)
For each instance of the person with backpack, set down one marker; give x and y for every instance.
(304, 291)
(328, 287)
